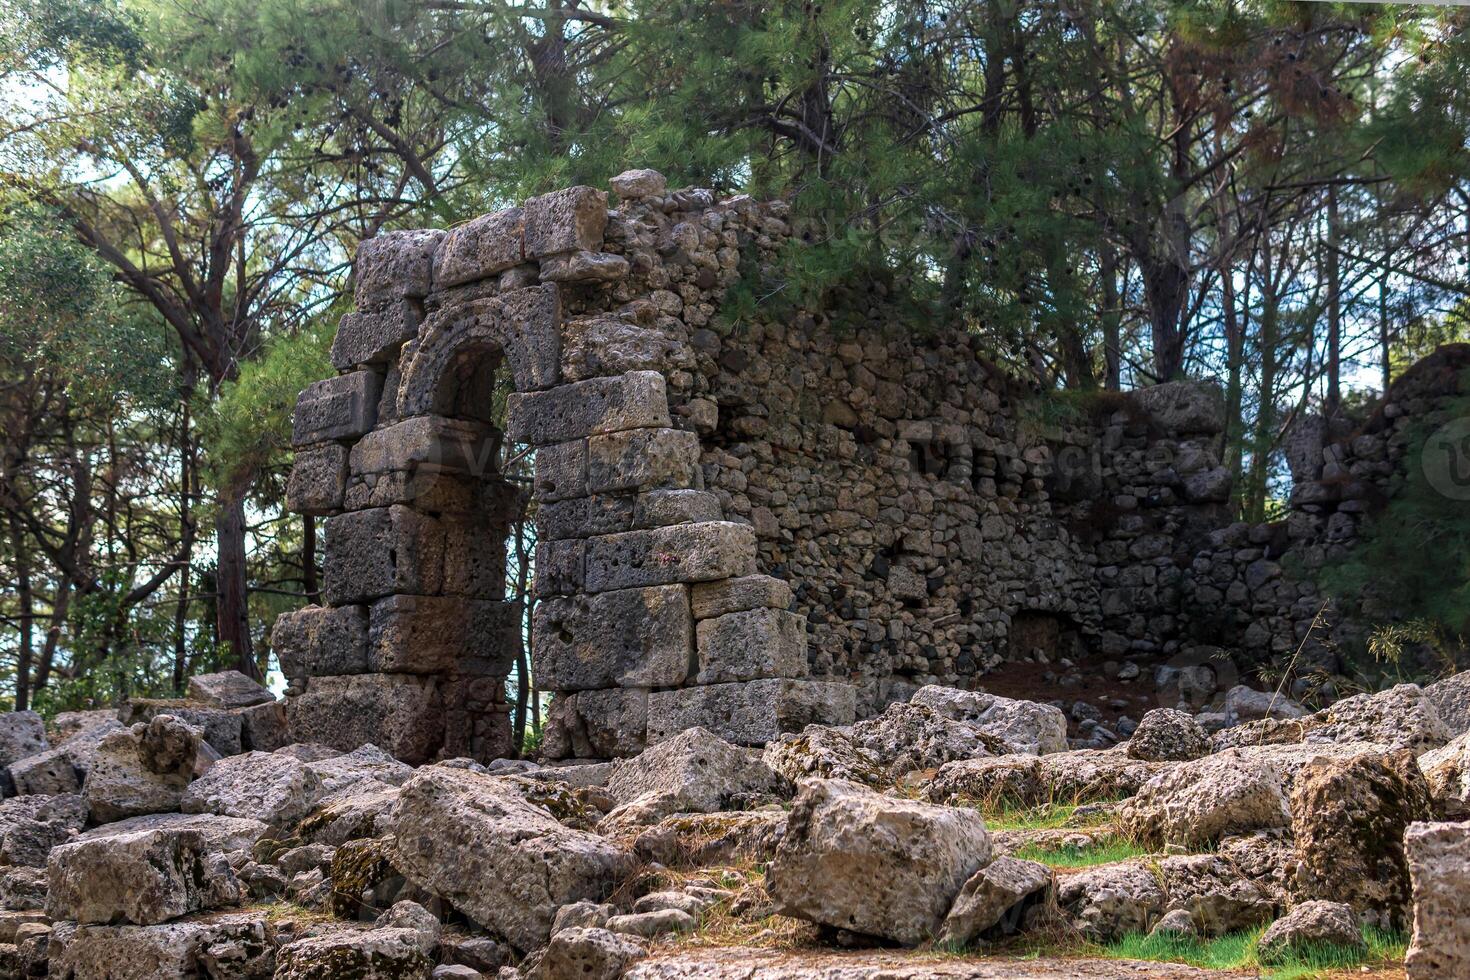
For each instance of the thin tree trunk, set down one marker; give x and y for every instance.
(25, 651)
(1334, 311)
(1235, 364)
(1111, 318)
(181, 606)
(232, 614)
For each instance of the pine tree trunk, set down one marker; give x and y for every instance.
(232, 614)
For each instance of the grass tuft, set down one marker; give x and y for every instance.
(1101, 850)
(1237, 951)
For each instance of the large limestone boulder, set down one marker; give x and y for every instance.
(588, 954)
(30, 826)
(220, 945)
(1112, 900)
(272, 788)
(825, 753)
(222, 835)
(1197, 803)
(1348, 817)
(22, 734)
(1310, 925)
(1081, 776)
(1439, 867)
(379, 954)
(696, 771)
(1399, 718)
(1023, 726)
(145, 877)
(1447, 773)
(502, 861)
(1168, 735)
(1217, 894)
(366, 762)
(1244, 704)
(1451, 700)
(856, 860)
(145, 768)
(908, 737)
(995, 899)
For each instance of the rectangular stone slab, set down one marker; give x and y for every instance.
(374, 336)
(634, 400)
(394, 265)
(435, 634)
(379, 552)
(734, 594)
(641, 459)
(661, 556)
(750, 644)
(627, 638)
(402, 714)
(344, 407)
(753, 712)
(318, 479)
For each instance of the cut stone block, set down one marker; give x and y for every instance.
(474, 556)
(753, 712)
(318, 479)
(434, 634)
(486, 246)
(145, 877)
(601, 346)
(561, 471)
(1439, 865)
(627, 638)
(634, 400)
(379, 552)
(30, 826)
(639, 459)
(318, 641)
(263, 727)
(584, 267)
(46, 773)
(221, 726)
(22, 733)
(735, 594)
(344, 407)
(274, 788)
(663, 508)
(402, 714)
(228, 944)
(374, 336)
(661, 556)
(634, 184)
(560, 567)
(597, 724)
(429, 444)
(565, 221)
(394, 265)
(228, 689)
(755, 643)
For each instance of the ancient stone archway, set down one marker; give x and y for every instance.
(650, 619)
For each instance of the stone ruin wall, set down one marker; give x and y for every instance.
(747, 525)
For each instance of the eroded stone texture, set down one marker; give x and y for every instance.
(748, 645)
(402, 713)
(343, 407)
(753, 712)
(625, 638)
(144, 877)
(1439, 865)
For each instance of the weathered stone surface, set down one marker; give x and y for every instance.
(755, 643)
(747, 963)
(598, 724)
(274, 789)
(605, 346)
(1113, 900)
(1244, 704)
(30, 826)
(1167, 735)
(561, 472)
(1309, 925)
(144, 877)
(909, 737)
(994, 899)
(578, 953)
(856, 860)
(377, 954)
(1024, 726)
(394, 265)
(693, 772)
(364, 762)
(751, 713)
(1447, 774)
(221, 945)
(374, 336)
(1197, 803)
(505, 863)
(145, 768)
(401, 713)
(221, 834)
(702, 840)
(344, 407)
(22, 888)
(1438, 856)
(634, 400)
(584, 267)
(642, 459)
(319, 641)
(624, 638)
(1183, 406)
(565, 221)
(666, 555)
(1348, 818)
(828, 753)
(1082, 776)
(22, 734)
(1399, 718)
(263, 727)
(410, 634)
(1218, 895)
(375, 553)
(482, 247)
(633, 184)
(221, 726)
(318, 479)
(228, 689)
(1451, 699)
(711, 599)
(662, 508)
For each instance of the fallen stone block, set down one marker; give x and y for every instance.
(145, 768)
(30, 826)
(144, 878)
(1438, 856)
(228, 689)
(751, 713)
(854, 859)
(228, 944)
(221, 726)
(378, 954)
(693, 772)
(221, 834)
(22, 734)
(1197, 803)
(994, 900)
(1025, 726)
(274, 789)
(588, 954)
(1309, 926)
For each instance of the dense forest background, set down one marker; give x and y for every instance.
(1110, 193)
